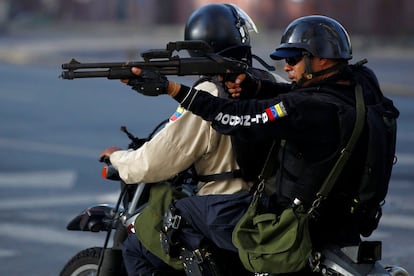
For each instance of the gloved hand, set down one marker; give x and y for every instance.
(149, 83)
(245, 86)
(106, 153)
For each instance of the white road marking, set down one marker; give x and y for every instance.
(47, 235)
(398, 221)
(38, 179)
(405, 159)
(7, 253)
(66, 200)
(25, 145)
(378, 235)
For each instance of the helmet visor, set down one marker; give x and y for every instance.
(283, 53)
(250, 26)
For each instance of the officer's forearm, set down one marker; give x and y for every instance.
(270, 89)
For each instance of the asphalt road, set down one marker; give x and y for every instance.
(52, 131)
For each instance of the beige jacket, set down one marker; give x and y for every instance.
(186, 139)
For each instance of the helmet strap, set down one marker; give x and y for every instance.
(238, 52)
(309, 74)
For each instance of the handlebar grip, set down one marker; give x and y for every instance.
(105, 159)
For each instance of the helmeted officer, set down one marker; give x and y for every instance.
(314, 117)
(187, 140)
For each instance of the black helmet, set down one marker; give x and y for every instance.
(225, 27)
(321, 36)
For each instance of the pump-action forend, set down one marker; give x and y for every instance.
(206, 62)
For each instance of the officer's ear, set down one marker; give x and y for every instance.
(321, 61)
(324, 63)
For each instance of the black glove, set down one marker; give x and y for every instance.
(149, 83)
(249, 86)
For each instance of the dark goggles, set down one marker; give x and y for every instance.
(292, 61)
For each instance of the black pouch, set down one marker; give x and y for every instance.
(171, 224)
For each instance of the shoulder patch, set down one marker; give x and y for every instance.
(177, 114)
(276, 111)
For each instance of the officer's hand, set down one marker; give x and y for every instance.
(234, 88)
(244, 86)
(107, 152)
(148, 82)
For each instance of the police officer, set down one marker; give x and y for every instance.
(314, 116)
(187, 139)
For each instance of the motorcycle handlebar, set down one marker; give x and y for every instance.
(108, 171)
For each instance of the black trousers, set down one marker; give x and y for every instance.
(209, 218)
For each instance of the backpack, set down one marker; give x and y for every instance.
(381, 124)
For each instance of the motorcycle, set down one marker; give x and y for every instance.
(118, 221)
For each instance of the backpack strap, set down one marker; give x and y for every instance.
(346, 152)
(267, 170)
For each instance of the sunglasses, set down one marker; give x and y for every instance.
(292, 61)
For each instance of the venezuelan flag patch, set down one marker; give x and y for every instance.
(177, 114)
(276, 111)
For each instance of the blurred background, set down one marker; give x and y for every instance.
(52, 130)
(375, 17)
